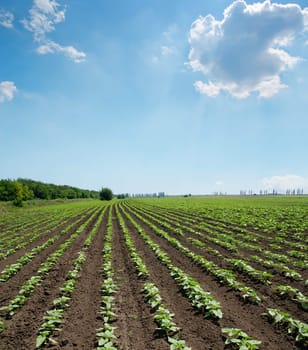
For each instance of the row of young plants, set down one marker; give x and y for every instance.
(54, 316)
(10, 240)
(23, 240)
(201, 245)
(292, 293)
(162, 315)
(235, 243)
(181, 224)
(231, 244)
(106, 338)
(11, 270)
(195, 220)
(246, 235)
(261, 276)
(138, 262)
(279, 234)
(202, 300)
(282, 220)
(243, 267)
(282, 269)
(224, 276)
(177, 227)
(9, 237)
(284, 291)
(30, 285)
(279, 267)
(285, 258)
(12, 222)
(282, 258)
(27, 221)
(197, 296)
(296, 328)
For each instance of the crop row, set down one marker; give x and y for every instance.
(22, 239)
(162, 315)
(29, 286)
(277, 225)
(203, 301)
(105, 334)
(224, 276)
(239, 264)
(11, 269)
(220, 234)
(54, 316)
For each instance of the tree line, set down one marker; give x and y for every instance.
(24, 189)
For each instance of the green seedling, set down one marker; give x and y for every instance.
(238, 339)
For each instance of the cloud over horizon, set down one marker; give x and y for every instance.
(245, 52)
(43, 17)
(7, 91)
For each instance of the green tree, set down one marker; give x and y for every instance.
(18, 194)
(27, 193)
(105, 194)
(11, 190)
(7, 190)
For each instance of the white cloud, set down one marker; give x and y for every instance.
(285, 182)
(7, 90)
(219, 183)
(43, 16)
(6, 19)
(209, 89)
(243, 53)
(69, 51)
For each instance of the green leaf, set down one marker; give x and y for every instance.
(2, 326)
(40, 340)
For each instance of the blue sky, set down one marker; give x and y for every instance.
(147, 96)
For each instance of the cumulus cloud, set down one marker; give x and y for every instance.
(6, 19)
(245, 51)
(69, 51)
(285, 182)
(43, 17)
(7, 91)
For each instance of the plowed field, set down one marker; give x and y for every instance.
(241, 265)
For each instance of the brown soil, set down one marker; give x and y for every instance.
(267, 291)
(41, 240)
(195, 330)
(277, 279)
(21, 330)
(11, 287)
(135, 324)
(236, 313)
(78, 330)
